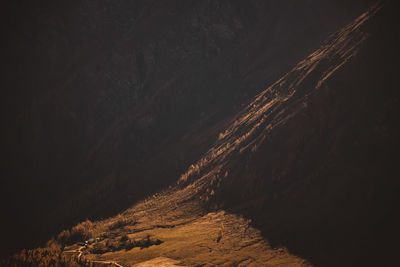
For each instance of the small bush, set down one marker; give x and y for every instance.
(112, 245)
(78, 233)
(129, 245)
(99, 248)
(120, 221)
(124, 238)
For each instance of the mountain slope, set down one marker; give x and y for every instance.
(325, 183)
(97, 93)
(310, 160)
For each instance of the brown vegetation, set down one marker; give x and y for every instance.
(78, 233)
(48, 256)
(52, 255)
(120, 221)
(111, 245)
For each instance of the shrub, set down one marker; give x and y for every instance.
(120, 221)
(78, 233)
(99, 248)
(48, 256)
(124, 238)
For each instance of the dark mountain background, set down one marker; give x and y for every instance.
(104, 102)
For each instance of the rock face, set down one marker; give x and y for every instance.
(105, 102)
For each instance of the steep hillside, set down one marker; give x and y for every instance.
(97, 93)
(305, 174)
(313, 160)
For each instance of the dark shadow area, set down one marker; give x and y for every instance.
(326, 184)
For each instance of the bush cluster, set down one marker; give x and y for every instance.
(78, 233)
(120, 221)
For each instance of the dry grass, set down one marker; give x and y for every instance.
(174, 226)
(169, 225)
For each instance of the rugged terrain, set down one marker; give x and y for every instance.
(305, 174)
(105, 102)
(188, 235)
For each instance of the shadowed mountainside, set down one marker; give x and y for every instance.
(321, 173)
(106, 102)
(311, 161)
